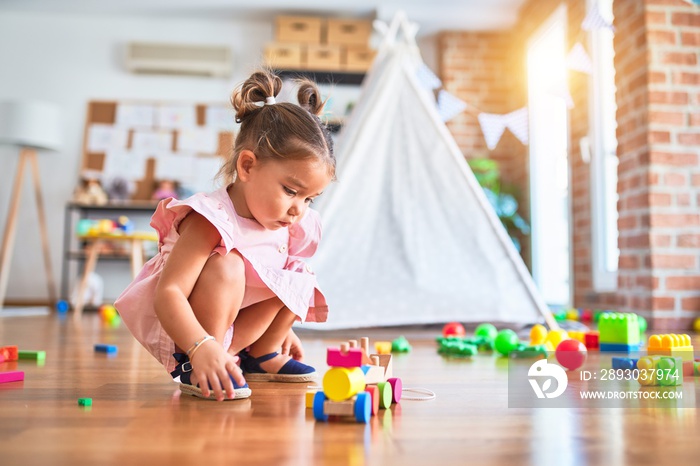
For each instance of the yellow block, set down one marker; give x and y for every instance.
(341, 383)
(554, 337)
(310, 398)
(382, 347)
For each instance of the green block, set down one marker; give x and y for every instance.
(400, 345)
(669, 371)
(38, 356)
(85, 401)
(619, 328)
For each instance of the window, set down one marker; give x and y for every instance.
(549, 167)
(604, 160)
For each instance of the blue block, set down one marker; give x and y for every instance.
(618, 348)
(109, 349)
(365, 368)
(624, 363)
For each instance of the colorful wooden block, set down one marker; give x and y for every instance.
(109, 349)
(578, 336)
(337, 358)
(11, 376)
(310, 398)
(342, 383)
(9, 352)
(672, 344)
(84, 401)
(38, 356)
(382, 347)
(619, 328)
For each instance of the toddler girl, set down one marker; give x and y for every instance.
(232, 259)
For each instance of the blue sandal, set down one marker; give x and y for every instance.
(184, 370)
(292, 371)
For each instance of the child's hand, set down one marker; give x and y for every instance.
(211, 365)
(292, 346)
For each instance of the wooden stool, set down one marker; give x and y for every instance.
(93, 253)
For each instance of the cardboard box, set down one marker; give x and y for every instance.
(357, 58)
(348, 32)
(284, 56)
(299, 29)
(323, 57)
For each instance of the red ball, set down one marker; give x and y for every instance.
(571, 354)
(453, 329)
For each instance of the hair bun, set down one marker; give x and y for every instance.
(257, 88)
(309, 97)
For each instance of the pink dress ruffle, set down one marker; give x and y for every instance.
(273, 260)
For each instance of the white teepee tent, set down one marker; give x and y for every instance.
(409, 236)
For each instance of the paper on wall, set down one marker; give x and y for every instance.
(102, 138)
(201, 140)
(173, 166)
(177, 116)
(135, 115)
(124, 164)
(152, 142)
(221, 118)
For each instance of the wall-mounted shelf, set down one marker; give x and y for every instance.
(324, 77)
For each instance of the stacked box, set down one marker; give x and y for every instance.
(348, 32)
(671, 345)
(618, 332)
(299, 29)
(284, 56)
(357, 58)
(322, 57)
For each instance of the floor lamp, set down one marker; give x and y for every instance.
(28, 127)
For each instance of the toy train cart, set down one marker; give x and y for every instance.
(357, 384)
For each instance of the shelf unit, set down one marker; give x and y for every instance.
(324, 77)
(72, 247)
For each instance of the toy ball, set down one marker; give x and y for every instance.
(506, 341)
(453, 329)
(572, 314)
(487, 331)
(62, 306)
(696, 325)
(538, 334)
(571, 354)
(586, 315)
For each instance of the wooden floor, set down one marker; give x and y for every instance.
(139, 416)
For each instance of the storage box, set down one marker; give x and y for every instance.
(284, 56)
(323, 57)
(348, 32)
(301, 29)
(357, 58)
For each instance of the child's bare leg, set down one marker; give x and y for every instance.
(252, 322)
(263, 326)
(217, 296)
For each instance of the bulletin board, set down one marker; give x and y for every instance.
(145, 142)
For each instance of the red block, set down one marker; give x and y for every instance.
(336, 358)
(12, 376)
(9, 353)
(591, 340)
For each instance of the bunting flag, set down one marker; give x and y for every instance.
(449, 106)
(427, 78)
(517, 123)
(578, 59)
(493, 125)
(594, 20)
(561, 90)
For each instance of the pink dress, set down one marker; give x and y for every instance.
(273, 266)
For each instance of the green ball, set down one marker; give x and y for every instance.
(487, 331)
(506, 341)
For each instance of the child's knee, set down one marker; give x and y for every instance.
(228, 269)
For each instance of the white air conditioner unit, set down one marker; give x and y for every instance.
(200, 60)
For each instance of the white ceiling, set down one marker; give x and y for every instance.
(431, 15)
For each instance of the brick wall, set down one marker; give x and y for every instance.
(657, 45)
